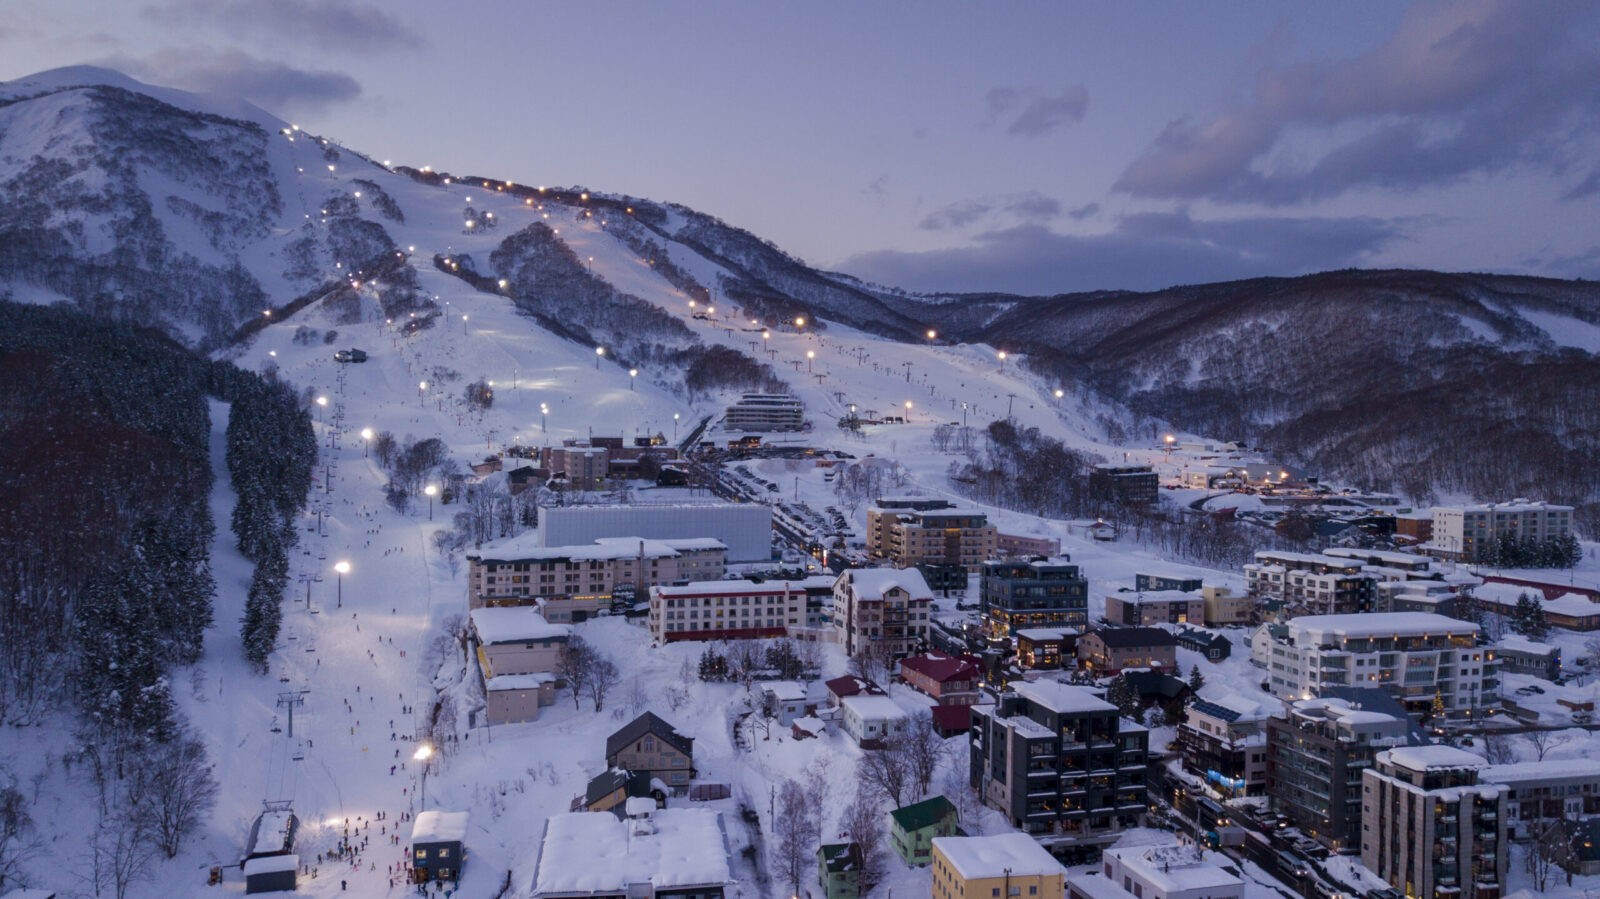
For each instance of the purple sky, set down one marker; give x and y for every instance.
(1025, 147)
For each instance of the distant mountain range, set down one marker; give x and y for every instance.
(198, 214)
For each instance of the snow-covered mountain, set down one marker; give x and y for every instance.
(200, 214)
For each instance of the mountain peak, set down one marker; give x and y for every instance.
(80, 76)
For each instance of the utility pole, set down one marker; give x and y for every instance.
(1009, 398)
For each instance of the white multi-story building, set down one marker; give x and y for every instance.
(1466, 532)
(1317, 584)
(765, 412)
(883, 607)
(1415, 656)
(734, 610)
(516, 571)
(1431, 826)
(745, 528)
(1171, 871)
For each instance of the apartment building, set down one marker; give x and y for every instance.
(1124, 483)
(765, 412)
(1311, 584)
(1417, 657)
(933, 536)
(1430, 826)
(1468, 532)
(585, 467)
(1519, 655)
(1547, 791)
(736, 610)
(518, 654)
(884, 607)
(1155, 607)
(1061, 764)
(1223, 607)
(1224, 741)
(744, 528)
(1015, 595)
(516, 571)
(1107, 650)
(1315, 755)
(975, 867)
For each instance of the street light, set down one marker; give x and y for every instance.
(544, 409)
(908, 411)
(430, 490)
(632, 373)
(422, 389)
(810, 355)
(1002, 360)
(424, 754)
(1060, 393)
(674, 427)
(932, 335)
(800, 321)
(341, 568)
(366, 437)
(598, 352)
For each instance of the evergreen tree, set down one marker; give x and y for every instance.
(1120, 693)
(1196, 680)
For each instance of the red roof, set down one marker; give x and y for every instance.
(850, 685)
(941, 668)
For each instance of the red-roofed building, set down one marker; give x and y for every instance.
(950, 680)
(949, 720)
(850, 685)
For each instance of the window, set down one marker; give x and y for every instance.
(444, 852)
(422, 855)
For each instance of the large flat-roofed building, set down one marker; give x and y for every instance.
(1170, 871)
(736, 610)
(1315, 756)
(518, 571)
(1120, 483)
(1019, 595)
(1470, 532)
(1417, 657)
(744, 528)
(1061, 763)
(1431, 826)
(943, 536)
(975, 867)
(670, 852)
(1547, 791)
(765, 412)
(1155, 607)
(1310, 583)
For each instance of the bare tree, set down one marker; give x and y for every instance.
(173, 790)
(888, 771)
(862, 822)
(796, 832)
(120, 853)
(602, 677)
(576, 664)
(1545, 740)
(870, 662)
(17, 836)
(1497, 749)
(1545, 852)
(924, 750)
(384, 447)
(961, 793)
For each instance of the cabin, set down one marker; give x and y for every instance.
(649, 745)
(438, 846)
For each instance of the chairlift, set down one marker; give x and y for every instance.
(299, 755)
(284, 679)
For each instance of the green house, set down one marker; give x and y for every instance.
(915, 826)
(839, 870)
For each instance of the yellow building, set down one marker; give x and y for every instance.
(1007, 865)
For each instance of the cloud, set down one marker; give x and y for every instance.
(1083, 212)
(1029, 206)
(341, 25)
(1041, 114)
(1143, 252)
(878, 189)
(1588, 187)
(271, 85)
(1459, 90)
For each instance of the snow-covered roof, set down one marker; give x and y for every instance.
(265, 864)
(518, 682)
(1549, 769)
(1518, 643)
(515, 624)
(584, 853)
(745, 587)
(1063, 699)
(997, 856)
(1423, 758)
(1173, 868)
(1154, 596)
(1233, 708)
(1092, 885)
(872, 583)
(272, 832)
(434, 826)
(525, 548)
(1040, 634)
(873, 708)
(1379, 624)
(637, 806)
(785, 690)
(1575, 605)
(1343, 710)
